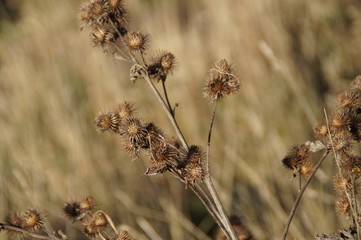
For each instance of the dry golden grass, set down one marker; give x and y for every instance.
(292, 57)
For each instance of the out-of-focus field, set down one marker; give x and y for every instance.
(291, 56)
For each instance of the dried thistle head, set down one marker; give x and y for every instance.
(15, 220)
(103, 35)
(306, 167)
(320, 130)
(349, 98)
(342, 143)
(161, 158)
(100, 220)
(343, 207)
(33, 220)
(107, 122)
(161, 66)
(154, 135)
(124, 235)
(124, 110)
(194, 167)
(341, 120)
(356, 83)
(221, 81)
(297, 155)
(137, 41)
(340, 184)
(133, 130)
(87, 204)
(72, 210)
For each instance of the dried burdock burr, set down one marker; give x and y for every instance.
(137, 41)
(221, 81)
(107, 122)
(32, 220)
(298, 160)
(161, 66)
(124, 235)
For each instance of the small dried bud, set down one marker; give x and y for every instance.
(72, 210)
(124, 110)
(221, 81)
(296, 157)
(133, 130)
(32, 220)
(356, 83)
(107, 121)
(349, 98)
(87, 204)
(321, 130)
(100, 220)
(90, 229)
(305, 168)
(194, 173)
(343, 207)
(161, 157)
(161, 66)
(15, 220)
(341, 120)
(340, 184)
(124, 235)
(137, 41)
(103, 36)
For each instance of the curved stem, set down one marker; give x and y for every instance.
(300, 194)
(20, 230)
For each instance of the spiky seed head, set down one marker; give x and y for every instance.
(97, 8)
(103, 36)
(194, 173)
(100, 220)
(356, 83)
(341, 120)
(154, 135)
(15, 220)
(72, 210)
(32, 220)
(90, 229)
(130, 147)
(349, 98)
(343, 207)
(297, 158)
(342, 142)
(306, 167)
(161, 66)
(221, 81)
(124, 110)
(133, 130)
(87, 204)
(115, 3)
(107, 122)
(320, 130)
(340, 185)
(124, 235)
(161, 157)
(137, 41)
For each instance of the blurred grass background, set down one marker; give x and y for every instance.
(292, 58)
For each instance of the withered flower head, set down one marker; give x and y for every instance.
(133, 130)
(103, 36)
(90, 229)
(341, 119)
(87, 204)
(107, 121)
(356, 83)
(320, 130)
(137, 41)
(124, 235)
(100, 220)
(161, 66)
(194, 172)
(340, 185)
(342, 143)
(124, 110)
(349, 98)
(343, 207)
(32, 220)
(154, 135)
(306, 167)
(15, 219)
(161, 157)
(72, 210)
(221, 81)
(298, 154)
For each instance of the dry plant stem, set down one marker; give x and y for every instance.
(299, 183)
(167, 98)
(209, 183)
(354, 197)
(300, 194)
(34, 235)
(354, 214)
(206, 202)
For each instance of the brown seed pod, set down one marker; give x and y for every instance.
(124, 110)
(340, 185)
(87, 204)
(72, 211)
(297, 157)
(320, 130)
(107, 122)
(103, 35)
(133, 130)
(161, 66)
(137, 41)
(32, 220)
(221, 81)
(100, 220)
(343, 207)
(194, 173)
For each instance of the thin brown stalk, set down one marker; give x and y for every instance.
(20, 230)
(299, 182)
(300, 194)
(167, 98)
(210, 185)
